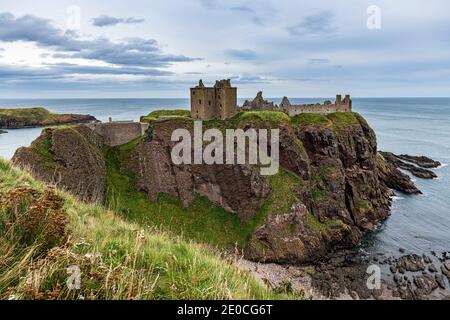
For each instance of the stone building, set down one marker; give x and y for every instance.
(218, 102)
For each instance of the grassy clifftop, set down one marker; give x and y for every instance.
(337, 120)
(37, 117)
(43, 231)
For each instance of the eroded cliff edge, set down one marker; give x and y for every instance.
(332, 189)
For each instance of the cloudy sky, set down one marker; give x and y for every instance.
(141, 48)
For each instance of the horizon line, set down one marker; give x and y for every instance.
(268, 97)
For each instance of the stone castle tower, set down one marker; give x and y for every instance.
(218, 102)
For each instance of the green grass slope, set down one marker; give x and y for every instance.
(44, 231)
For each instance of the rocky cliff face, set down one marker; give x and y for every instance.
(332, 189)
(70, 158)
(238, 189)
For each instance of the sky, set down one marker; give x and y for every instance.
(158, 49)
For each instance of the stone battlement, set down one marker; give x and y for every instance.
(120, 132)
(327, 107)
(259, 103)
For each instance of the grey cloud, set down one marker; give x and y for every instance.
(318, 23)
(209, 4)
(68, 68)
(66, 71)
(318, 61)
(241, 54)
(247, 79)
(128, 52)
(107, 21)
(242, 8)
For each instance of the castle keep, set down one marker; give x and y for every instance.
(218, 102)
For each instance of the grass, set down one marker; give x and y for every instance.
(38, 114)
(42, 146)
(117, 259)
(271, 118)
(310, 119)
(34, 116)
(344, 120)
(153, 116)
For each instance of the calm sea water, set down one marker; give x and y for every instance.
(403, 125)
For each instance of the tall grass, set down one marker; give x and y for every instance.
(117, 259)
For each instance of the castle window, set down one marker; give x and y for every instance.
(199, 101)
(209, 102)
(193, 93)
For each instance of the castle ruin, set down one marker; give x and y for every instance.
(340, 105)
(218, 102)
(259, 103)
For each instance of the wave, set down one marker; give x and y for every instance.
(443, 165)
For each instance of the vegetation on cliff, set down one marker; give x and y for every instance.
(43, 231)
(38, 117)
(329, 190)
(158, 114)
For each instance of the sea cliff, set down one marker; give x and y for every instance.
(333, 186)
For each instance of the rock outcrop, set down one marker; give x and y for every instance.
(394, 178)
(332, 189)
(421, 161)
(70, 158)
(419, 172)
(39, 117)
(3, 132)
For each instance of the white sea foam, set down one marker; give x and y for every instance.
(443, 165)
(396, 198)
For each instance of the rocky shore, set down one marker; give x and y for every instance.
(3, 132)
(405, 162)
(38, 117)
(344, 275)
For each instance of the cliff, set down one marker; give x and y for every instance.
(332, 189)
(38, 117)
(70, 158)
(43, 231)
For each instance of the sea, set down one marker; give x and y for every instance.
(415, 126)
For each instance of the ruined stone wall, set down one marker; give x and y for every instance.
(314, 108)
(118, 133)
(340, 105)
